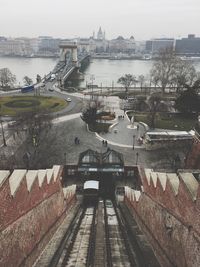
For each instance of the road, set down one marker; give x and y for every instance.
(68, 126)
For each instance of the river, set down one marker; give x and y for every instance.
(104, 71)
(27, 66)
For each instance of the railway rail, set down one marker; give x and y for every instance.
(76, 251)
(99, 236)
(118, 250)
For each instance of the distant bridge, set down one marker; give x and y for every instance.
(72, 56)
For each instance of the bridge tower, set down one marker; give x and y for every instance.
(65, 47)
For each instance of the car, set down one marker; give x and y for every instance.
(69, 99)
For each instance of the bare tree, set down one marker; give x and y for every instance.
(127, 80)
(170, 70)
(7, 79)
(155, 104)
(184, 73)
(163, 68)
(141, 80)
(36, 126)
(35, 122)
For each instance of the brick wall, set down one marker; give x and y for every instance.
(29, 218)
(193, 157)
(170, 220)
(13, 208)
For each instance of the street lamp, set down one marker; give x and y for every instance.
(133, 141)
(92, 78)
(3, 135)
(2, 130)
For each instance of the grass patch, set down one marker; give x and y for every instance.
(11, 105)
(169, 121)
(99, 127)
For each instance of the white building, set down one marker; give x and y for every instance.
(122, 45)
(12, 47)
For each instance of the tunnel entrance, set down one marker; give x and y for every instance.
(105, 167)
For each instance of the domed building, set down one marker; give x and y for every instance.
(100, 42)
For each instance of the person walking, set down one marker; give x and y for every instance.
(75, 140)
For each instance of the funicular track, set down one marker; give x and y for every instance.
(77, 246)
(119, 248)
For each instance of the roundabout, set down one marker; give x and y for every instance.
(12, 105)
(22, 103)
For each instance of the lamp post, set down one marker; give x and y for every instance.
(133, 141)
(2, 130)
(92, 78)
(3, 135)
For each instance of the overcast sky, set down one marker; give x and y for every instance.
(143, 19)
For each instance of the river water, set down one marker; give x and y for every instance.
(105, 72)
(27, 66)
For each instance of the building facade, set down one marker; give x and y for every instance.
(156, 45)
(122, 45)
(188, 46)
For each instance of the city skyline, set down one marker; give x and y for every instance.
(154, 19)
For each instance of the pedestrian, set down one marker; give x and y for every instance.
(106, 143)
(75, 140)
(103, 142)
(137, 127)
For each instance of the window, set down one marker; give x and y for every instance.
(130, 173)
(71, 171)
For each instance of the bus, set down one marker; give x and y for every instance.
(27, 89)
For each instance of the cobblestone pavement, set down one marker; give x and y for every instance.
(68, 130)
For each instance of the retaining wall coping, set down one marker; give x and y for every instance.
(41, 176)
(191, 183)
(30, 178)
(174, 181)
(15, 180)
(3, 176)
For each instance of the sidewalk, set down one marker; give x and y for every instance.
(122, 133)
